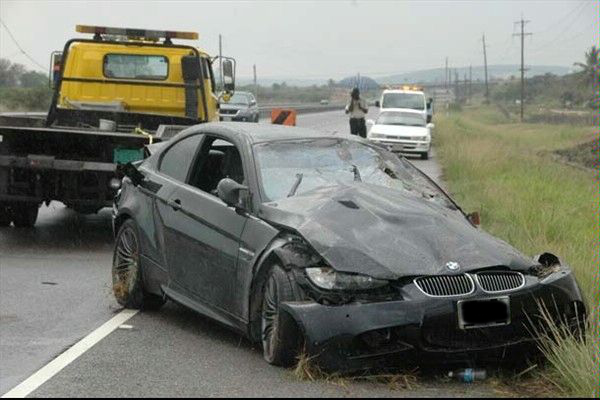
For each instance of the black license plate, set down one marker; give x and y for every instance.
(483, 313)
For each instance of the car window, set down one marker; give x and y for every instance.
(177, 159)
(136, 66)
(216, 160)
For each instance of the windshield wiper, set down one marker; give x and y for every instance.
(295, 185)
(356, 172)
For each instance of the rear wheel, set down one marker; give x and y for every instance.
(5, 217)
(281, 342)
(24, 215)
(128, 285)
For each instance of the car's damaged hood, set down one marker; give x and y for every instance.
(386, 234)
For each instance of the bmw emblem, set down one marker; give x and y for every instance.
(453, 266)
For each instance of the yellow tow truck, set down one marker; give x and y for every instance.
(114, 93)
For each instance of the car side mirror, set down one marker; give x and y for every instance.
(229, 190)
(474, 218)
(377, 104)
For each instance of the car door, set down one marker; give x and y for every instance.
(204, 233)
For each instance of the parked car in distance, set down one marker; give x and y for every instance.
(402, 132)
(241, 107)
(301, 239)
(324, 102)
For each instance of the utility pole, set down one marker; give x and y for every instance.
(255, 82)
(446, 77)
(466, 87)
(470, 81)
(456, 88)
(487, 88)
(523, 69)
(221, 61)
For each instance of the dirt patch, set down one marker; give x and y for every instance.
(585, 154)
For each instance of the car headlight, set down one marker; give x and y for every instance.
(329, 279)
(377, 136)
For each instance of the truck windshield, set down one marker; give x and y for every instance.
(399, 118)
(294, 167)
(413, 101)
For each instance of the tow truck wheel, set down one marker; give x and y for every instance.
(24, 215)
(5, 218)
(281, 342)
(128, 286)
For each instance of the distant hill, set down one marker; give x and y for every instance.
(365, 83)
(494, 72)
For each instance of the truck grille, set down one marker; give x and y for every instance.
(500, 281)
(445, 285)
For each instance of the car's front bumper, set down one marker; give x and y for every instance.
(403, 146)
(235, 117)
(425, 329)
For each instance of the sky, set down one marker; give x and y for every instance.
(322, 39)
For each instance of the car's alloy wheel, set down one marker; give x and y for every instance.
(127, 274)
(280, 341)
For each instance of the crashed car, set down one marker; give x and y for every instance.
(327, 244)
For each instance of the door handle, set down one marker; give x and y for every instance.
(175, 204)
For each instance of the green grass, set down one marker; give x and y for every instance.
(503, 170)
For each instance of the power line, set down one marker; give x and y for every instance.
(561, 34)
(19, 46)
(558, 22)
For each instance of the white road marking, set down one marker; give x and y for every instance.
(55, 366)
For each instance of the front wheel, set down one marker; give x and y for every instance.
(128, 286)
(24, 215)
(281, 342)
(425, 156)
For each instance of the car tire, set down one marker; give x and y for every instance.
(128, 283)
(281, 342)
(425, 156)
(257, 118)
(5, 217)
(24, 215)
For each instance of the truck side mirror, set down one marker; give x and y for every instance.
(55, 66)
(228, 75)
(377, 104)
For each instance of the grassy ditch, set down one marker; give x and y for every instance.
(503, 170)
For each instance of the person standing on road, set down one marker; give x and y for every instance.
(357, 108)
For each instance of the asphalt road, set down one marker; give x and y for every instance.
(55, 290)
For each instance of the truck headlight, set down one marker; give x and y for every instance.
(329, 279)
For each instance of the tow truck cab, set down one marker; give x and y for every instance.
(114, 93)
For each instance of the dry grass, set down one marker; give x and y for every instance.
(307, 370)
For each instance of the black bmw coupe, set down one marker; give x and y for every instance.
(299, 239)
